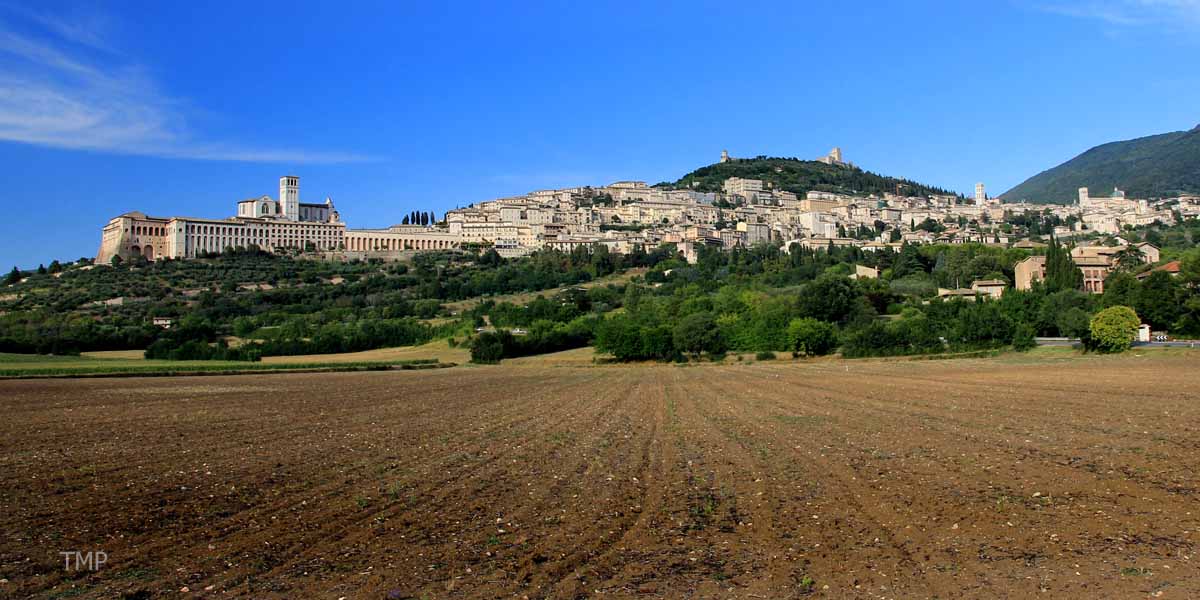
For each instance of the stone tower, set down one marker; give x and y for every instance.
(724, 156)
(289, 197)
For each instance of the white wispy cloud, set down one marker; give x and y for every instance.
(50, 96)
(1174, 14)
(83, 27)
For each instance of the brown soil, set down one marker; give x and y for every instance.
(934, 479)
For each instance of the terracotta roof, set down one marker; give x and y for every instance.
(1171, 268)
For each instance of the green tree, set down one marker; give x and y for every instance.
(1128, 258)
(657, 342)
(1023, 338)
(930, 225)
(1073, 322)
(1051, 307)
(698, 333)
(1160, 300)
(873, 339)
(1120, 288)
(1189, 319)
(490, 258)
(983, 324)
(831, 298)
(489, 348)
(1114, 329)
(908, 262)
(1189, 267)
(810, 337)
(1061, 271)
(620, 336)
(14, 276)
(1189, 275)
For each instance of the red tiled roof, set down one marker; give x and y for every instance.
(1171, 267)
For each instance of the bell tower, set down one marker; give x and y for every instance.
(289, 197)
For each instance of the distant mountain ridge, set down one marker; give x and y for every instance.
(801, 176)
(1154, 166)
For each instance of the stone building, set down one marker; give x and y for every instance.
(398, 238)
(266, 223)
(737, 186)
(1096, 263)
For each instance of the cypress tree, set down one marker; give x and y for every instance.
(1061, 271)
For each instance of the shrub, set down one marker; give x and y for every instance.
(1023, 338)
(488, 348)
(916, 334)
(809, 336)
(764, 355)
(1073, 322)
(698, 333)
(622, 337)
(873, 339)
(982, 325)
(830, 297)
(1114, 329)
(657, 342)
(919, 285)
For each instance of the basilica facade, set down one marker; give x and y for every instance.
(267, 223)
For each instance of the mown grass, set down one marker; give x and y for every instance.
(26, 365)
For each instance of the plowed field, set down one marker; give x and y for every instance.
(938, 479)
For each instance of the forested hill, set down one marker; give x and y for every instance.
(800, 176)
(1156, 166)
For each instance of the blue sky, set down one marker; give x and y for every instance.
(178, 108)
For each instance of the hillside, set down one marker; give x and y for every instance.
(1150, 167)
(800, 176)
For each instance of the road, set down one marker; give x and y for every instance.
(1058, 341)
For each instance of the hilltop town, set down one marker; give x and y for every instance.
(625, 215)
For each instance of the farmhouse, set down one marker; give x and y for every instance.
(992, 288)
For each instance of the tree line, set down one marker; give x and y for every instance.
(804, 302)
